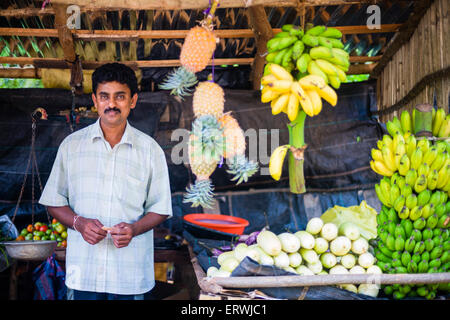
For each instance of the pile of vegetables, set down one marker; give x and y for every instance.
(323, 248)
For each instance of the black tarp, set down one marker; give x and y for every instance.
(337, 158)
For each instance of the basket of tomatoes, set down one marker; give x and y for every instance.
(38, 241)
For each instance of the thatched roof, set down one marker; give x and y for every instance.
(149, 34)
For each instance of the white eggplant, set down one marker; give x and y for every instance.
(374, 269)
(350, 287)
(321, 245)
(357, 270)
(304, 271)
(289, 242)
(281, 260)
(306, 239)
(295, 259)
(309, 255)
(328, 260)
(366, 260)
(340, 246)
(368, 289)
(269, 242)
(348, 261)
(229, 264)
(211, 271)
(338, 269)
(264, 258)
(221, 258)
(360, 246)
(329, 231)
(314, 226)
(315, 267)
(240, 251)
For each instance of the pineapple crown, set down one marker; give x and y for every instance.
(241, 168)
(180, 82)
(210, 141)
(200, 194)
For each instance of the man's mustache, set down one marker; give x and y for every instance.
(112, 109)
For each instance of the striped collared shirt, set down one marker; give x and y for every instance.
(113, 185)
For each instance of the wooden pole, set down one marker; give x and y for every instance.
(329, 280)
(64, 33)
(263, 33)
(127, 35)
(34, 73)
(200, 4)
(31, 73)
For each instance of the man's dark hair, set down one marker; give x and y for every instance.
(115, 72)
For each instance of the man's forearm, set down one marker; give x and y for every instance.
(147, 222)
(64, 215)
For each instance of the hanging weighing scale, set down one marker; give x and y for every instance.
(31, 250)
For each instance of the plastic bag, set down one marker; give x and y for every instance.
(49, 279)
(8, 231)
(362, 216)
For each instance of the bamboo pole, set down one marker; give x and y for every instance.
(126, 35)
(201, 4)
(61, 63)
(328, 280)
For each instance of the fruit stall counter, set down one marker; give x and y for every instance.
(339, 255)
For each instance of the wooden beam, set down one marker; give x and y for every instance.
(130, 35)
(31, 73)
(360, 68)
(327, 279)
(404, 34)
(263, 33)
(60, 63)
(201, 4)
(26, 12)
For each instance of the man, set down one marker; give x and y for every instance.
(110, 185)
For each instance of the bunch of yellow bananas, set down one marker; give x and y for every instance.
(441, 123)
(288, 95)
(422, 163)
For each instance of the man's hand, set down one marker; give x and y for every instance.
(91, 230)
(122, 234)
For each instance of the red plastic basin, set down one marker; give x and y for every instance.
(218, 222)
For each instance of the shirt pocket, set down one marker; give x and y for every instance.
(133, 193)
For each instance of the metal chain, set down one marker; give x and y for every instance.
(24, 180)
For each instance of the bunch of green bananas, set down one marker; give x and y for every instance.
(318, 50)
(413, 246)
(413, 234)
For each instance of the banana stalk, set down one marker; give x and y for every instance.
(423, 120)
(297, 141)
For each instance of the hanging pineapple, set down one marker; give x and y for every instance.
(208, 99)
(196, 52)
(206, 143)
(234, 151)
